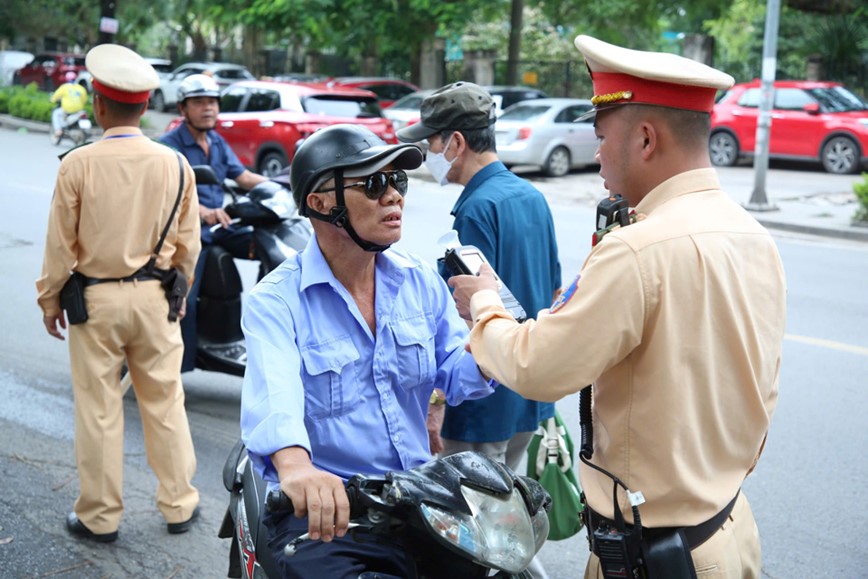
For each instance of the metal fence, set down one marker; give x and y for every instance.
(555, 78)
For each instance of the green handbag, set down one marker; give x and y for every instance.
(550, 461)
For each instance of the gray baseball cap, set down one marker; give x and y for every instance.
(457, 106)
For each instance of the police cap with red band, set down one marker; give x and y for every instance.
(120, 74)
(623, 76)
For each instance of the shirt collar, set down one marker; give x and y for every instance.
(115, 131)
(187, 137)
(476, 181)
(315, 269)
(681, 184)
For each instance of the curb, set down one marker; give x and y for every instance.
(852, 234)
(15, 123)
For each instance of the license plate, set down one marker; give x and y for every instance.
(84, 124)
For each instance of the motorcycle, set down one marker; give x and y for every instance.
(269, 211)
(76, 127)
(464, 515)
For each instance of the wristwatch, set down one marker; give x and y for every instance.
(437, 398)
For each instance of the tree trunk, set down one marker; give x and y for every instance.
(514, 53)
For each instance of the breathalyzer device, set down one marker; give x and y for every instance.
(466, 260)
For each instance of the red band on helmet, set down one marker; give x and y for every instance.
(120, 95)
(653, 92)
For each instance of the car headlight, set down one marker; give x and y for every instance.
(499, 532)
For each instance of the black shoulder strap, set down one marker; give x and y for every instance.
(153, 261)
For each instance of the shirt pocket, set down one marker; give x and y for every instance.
(414, 344)
(330, 387)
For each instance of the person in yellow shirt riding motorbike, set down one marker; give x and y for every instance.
(72, 97)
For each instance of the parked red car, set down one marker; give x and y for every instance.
(388, 90)
(810, 120)
(263, 121)
(48, 69)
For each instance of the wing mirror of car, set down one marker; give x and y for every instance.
(812, 108)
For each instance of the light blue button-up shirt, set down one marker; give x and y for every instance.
(319, 379)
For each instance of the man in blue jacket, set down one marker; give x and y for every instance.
(510, 222)
(196, 139)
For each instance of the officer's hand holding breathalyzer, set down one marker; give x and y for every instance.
(464, 286)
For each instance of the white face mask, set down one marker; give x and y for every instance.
(438, 165)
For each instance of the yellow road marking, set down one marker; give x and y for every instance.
(828, 344)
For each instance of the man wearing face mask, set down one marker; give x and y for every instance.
(510, 222)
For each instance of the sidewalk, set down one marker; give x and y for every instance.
(15, 124)
(815, 210)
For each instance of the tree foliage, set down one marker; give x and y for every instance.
(390, 34)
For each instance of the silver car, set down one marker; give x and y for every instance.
(165, 98)
(405, 110)
(544, 132)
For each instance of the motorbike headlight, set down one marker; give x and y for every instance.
(498, 533)
(540, 528)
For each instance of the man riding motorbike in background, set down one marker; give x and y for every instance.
(196, 139)
(72, 97)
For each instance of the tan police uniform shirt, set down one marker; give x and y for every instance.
(679, 318)
(111, 203)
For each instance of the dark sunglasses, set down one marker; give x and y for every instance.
(377, 184)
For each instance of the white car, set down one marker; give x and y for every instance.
(544, 132)
(10, 61)
(166, 97)
(405, 110)
(163, 66)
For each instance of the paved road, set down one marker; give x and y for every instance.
(809, 475)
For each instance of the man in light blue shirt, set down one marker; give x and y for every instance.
(346, 343)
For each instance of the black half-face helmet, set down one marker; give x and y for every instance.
(340, 151)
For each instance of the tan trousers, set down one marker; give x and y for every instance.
(129, 320)
(733, 552)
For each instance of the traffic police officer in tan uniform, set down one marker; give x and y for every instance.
(677, 320)
(111, 202)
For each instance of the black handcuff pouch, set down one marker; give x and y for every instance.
(668, 555)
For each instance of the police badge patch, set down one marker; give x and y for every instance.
(565, 295)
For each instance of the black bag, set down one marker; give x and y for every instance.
(72, 299)
(175, 285)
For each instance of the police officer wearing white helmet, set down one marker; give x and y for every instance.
(196, 139)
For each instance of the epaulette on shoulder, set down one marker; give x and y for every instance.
(62, 155)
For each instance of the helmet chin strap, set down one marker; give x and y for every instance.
(340, 217)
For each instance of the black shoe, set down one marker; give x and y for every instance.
(183, 527)
(77, 528)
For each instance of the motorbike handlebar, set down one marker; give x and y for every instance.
(278, 502)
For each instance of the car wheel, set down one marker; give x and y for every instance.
(272, 163)
(159, 101)
(840, 155)
(723, 148)
(558, 163)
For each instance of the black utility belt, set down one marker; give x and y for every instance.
(694, 536)
(141, 274)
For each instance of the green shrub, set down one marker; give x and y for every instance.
(30, 103)
(860, 188)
